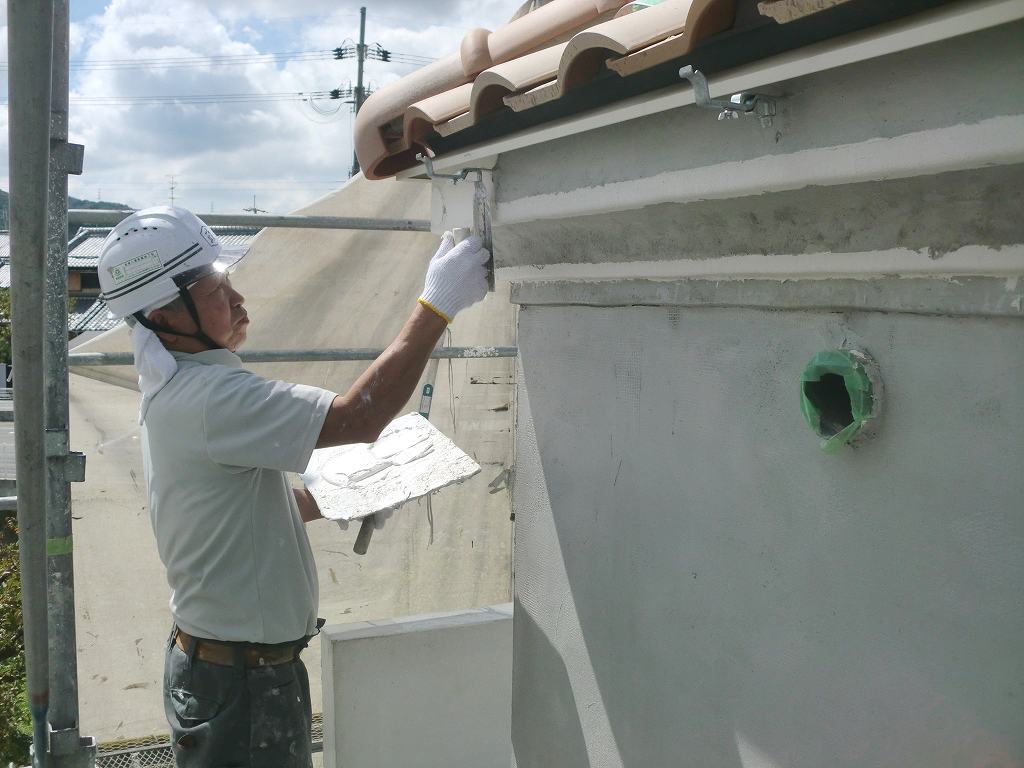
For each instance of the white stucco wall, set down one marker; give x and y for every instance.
(697, 583)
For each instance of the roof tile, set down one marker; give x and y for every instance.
(703, 19)
(522, 65)
(381, 154)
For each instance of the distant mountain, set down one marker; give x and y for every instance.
(73, 202)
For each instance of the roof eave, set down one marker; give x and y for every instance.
(611, 102)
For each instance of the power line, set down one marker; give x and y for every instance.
(177, 62)
(209, 98)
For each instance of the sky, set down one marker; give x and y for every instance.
(221, 154)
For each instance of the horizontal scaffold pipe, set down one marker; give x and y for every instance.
(100, 218)
(306, 355)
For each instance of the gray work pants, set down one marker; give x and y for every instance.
(237, 717)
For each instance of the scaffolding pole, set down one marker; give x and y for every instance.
(346, 354)
(98, 218)
(66, 747)
(29, 45)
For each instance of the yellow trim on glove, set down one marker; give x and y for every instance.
(435, 310)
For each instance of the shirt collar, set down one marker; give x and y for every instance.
(211, 357)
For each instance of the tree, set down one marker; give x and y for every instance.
(5, 327)
(15, 718)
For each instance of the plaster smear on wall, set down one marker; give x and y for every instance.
(410, 459)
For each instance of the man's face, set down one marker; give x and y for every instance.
(220, 310)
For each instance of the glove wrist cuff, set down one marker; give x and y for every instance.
(434, 309)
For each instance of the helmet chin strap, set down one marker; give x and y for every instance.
(199, 335)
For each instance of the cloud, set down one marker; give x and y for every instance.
(286, 153)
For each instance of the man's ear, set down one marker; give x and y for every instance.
(164, 319)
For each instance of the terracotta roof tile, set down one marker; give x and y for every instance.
(543, 55)
(493, 85)
(422, 117)
(522, 65)
(678, 23)
(382, 154)
(704, 18)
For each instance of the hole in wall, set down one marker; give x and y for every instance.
(832, 400)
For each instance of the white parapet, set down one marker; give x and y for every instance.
(426, 691)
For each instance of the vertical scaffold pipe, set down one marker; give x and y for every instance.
(66, 745)
(29, 43)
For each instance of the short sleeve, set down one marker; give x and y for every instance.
(250, 421)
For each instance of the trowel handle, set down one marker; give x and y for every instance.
(363, 537)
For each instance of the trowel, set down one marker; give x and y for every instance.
(411, 459)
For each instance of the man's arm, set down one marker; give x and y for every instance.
(309, 510)
(456, 278)
(375, 399)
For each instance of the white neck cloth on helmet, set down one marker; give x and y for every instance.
(154, 363)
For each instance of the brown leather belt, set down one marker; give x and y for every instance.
(224, 654)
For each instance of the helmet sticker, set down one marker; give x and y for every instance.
(208, 236)
(136, 267)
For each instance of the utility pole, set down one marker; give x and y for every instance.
(360, 57)
(169, 176)
(253, 210)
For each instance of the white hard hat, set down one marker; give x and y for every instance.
(153, 255)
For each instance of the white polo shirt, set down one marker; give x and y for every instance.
(217, 441)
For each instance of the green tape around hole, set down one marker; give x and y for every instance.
(62, 546)
(851, 367)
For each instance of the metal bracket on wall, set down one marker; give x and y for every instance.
(455, 178)
(481, 206)
(739, 103)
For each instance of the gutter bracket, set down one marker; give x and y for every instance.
(481, 206)
(428, 164)
(729, 109)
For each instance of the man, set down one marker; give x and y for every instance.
(217, 440)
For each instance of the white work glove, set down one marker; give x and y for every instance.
(456, 277)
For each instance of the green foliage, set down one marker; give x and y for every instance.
(15, 720)
(5, 327)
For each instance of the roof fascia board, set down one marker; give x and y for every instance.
(919, 295)
(995, 141)
(1006, 262)
(923, 29)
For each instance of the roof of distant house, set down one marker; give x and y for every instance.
(84, 253)
(84, 248)
(570, 56)
(95, 317)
